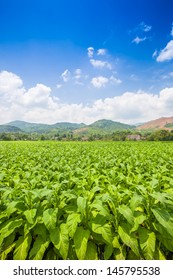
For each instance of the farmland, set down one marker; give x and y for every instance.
(86, 200)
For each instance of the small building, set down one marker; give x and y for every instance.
(135, 137)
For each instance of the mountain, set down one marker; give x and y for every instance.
(9, 128)
(44, 128)
(161, 123)
(110, 125)
(103, 127)
(98, 127)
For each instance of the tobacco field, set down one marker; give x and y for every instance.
(86, 200)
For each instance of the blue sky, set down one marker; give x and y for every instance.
(81, 61)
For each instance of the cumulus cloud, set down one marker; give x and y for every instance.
(138, 40)
(99, 82)
(66, 75)
(37, 104)
(38, 95)
(101, 51)
(100, 64)
(90, 51)
(167, 53)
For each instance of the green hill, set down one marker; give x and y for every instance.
(9, 128)
(109, 125)
(44, 128)
(103, 127)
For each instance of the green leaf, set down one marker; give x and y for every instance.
(135, 201)
(119, 254)
(128, 239)
(8, 227)
(50, 218)
(138, 220)
(147, 241)
(164, 218)
(159, 255)
(81, 203)
(22, 247)
(127, 213)
(38, 249)
(164, 237)
(108, 252)
(100, 208)
(91, 252)
(100, 226)
(4, 254)
(80, 241)
(72, 222)
(30, 215)
(116, 243)
(60, 239)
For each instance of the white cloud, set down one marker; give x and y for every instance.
(58, 86)
(99, 82)
(155, 53)
(38, 95)
(144, 27)
(100, 64)
(66, 75)
(37, 104)
(167, 53)
(101, 51)
(172, 30)
(138, 40)
(115, 80)
(90, 51)
(78, 73)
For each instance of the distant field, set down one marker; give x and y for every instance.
(86, 200)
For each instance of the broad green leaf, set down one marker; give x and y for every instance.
(30, 215)
(127, 213)
(108, 252)
(164, 237)
(100, 226)
(159, 255)
(164, 218)
(119, 254)
(135, 201)
(40, 230)
(138, 220)
(60, 239)
(147, 241)
(132, 256)
(100, 208)
(11, 208)
(50, 218)
(22, 247)
(91, 252)
(4, 254)
(128, 239)
(81, 203)
(8, 227)
(72, 222)
(80, 241)
(116, 243)
(38, 249)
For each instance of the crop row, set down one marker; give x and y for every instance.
(100, 200)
